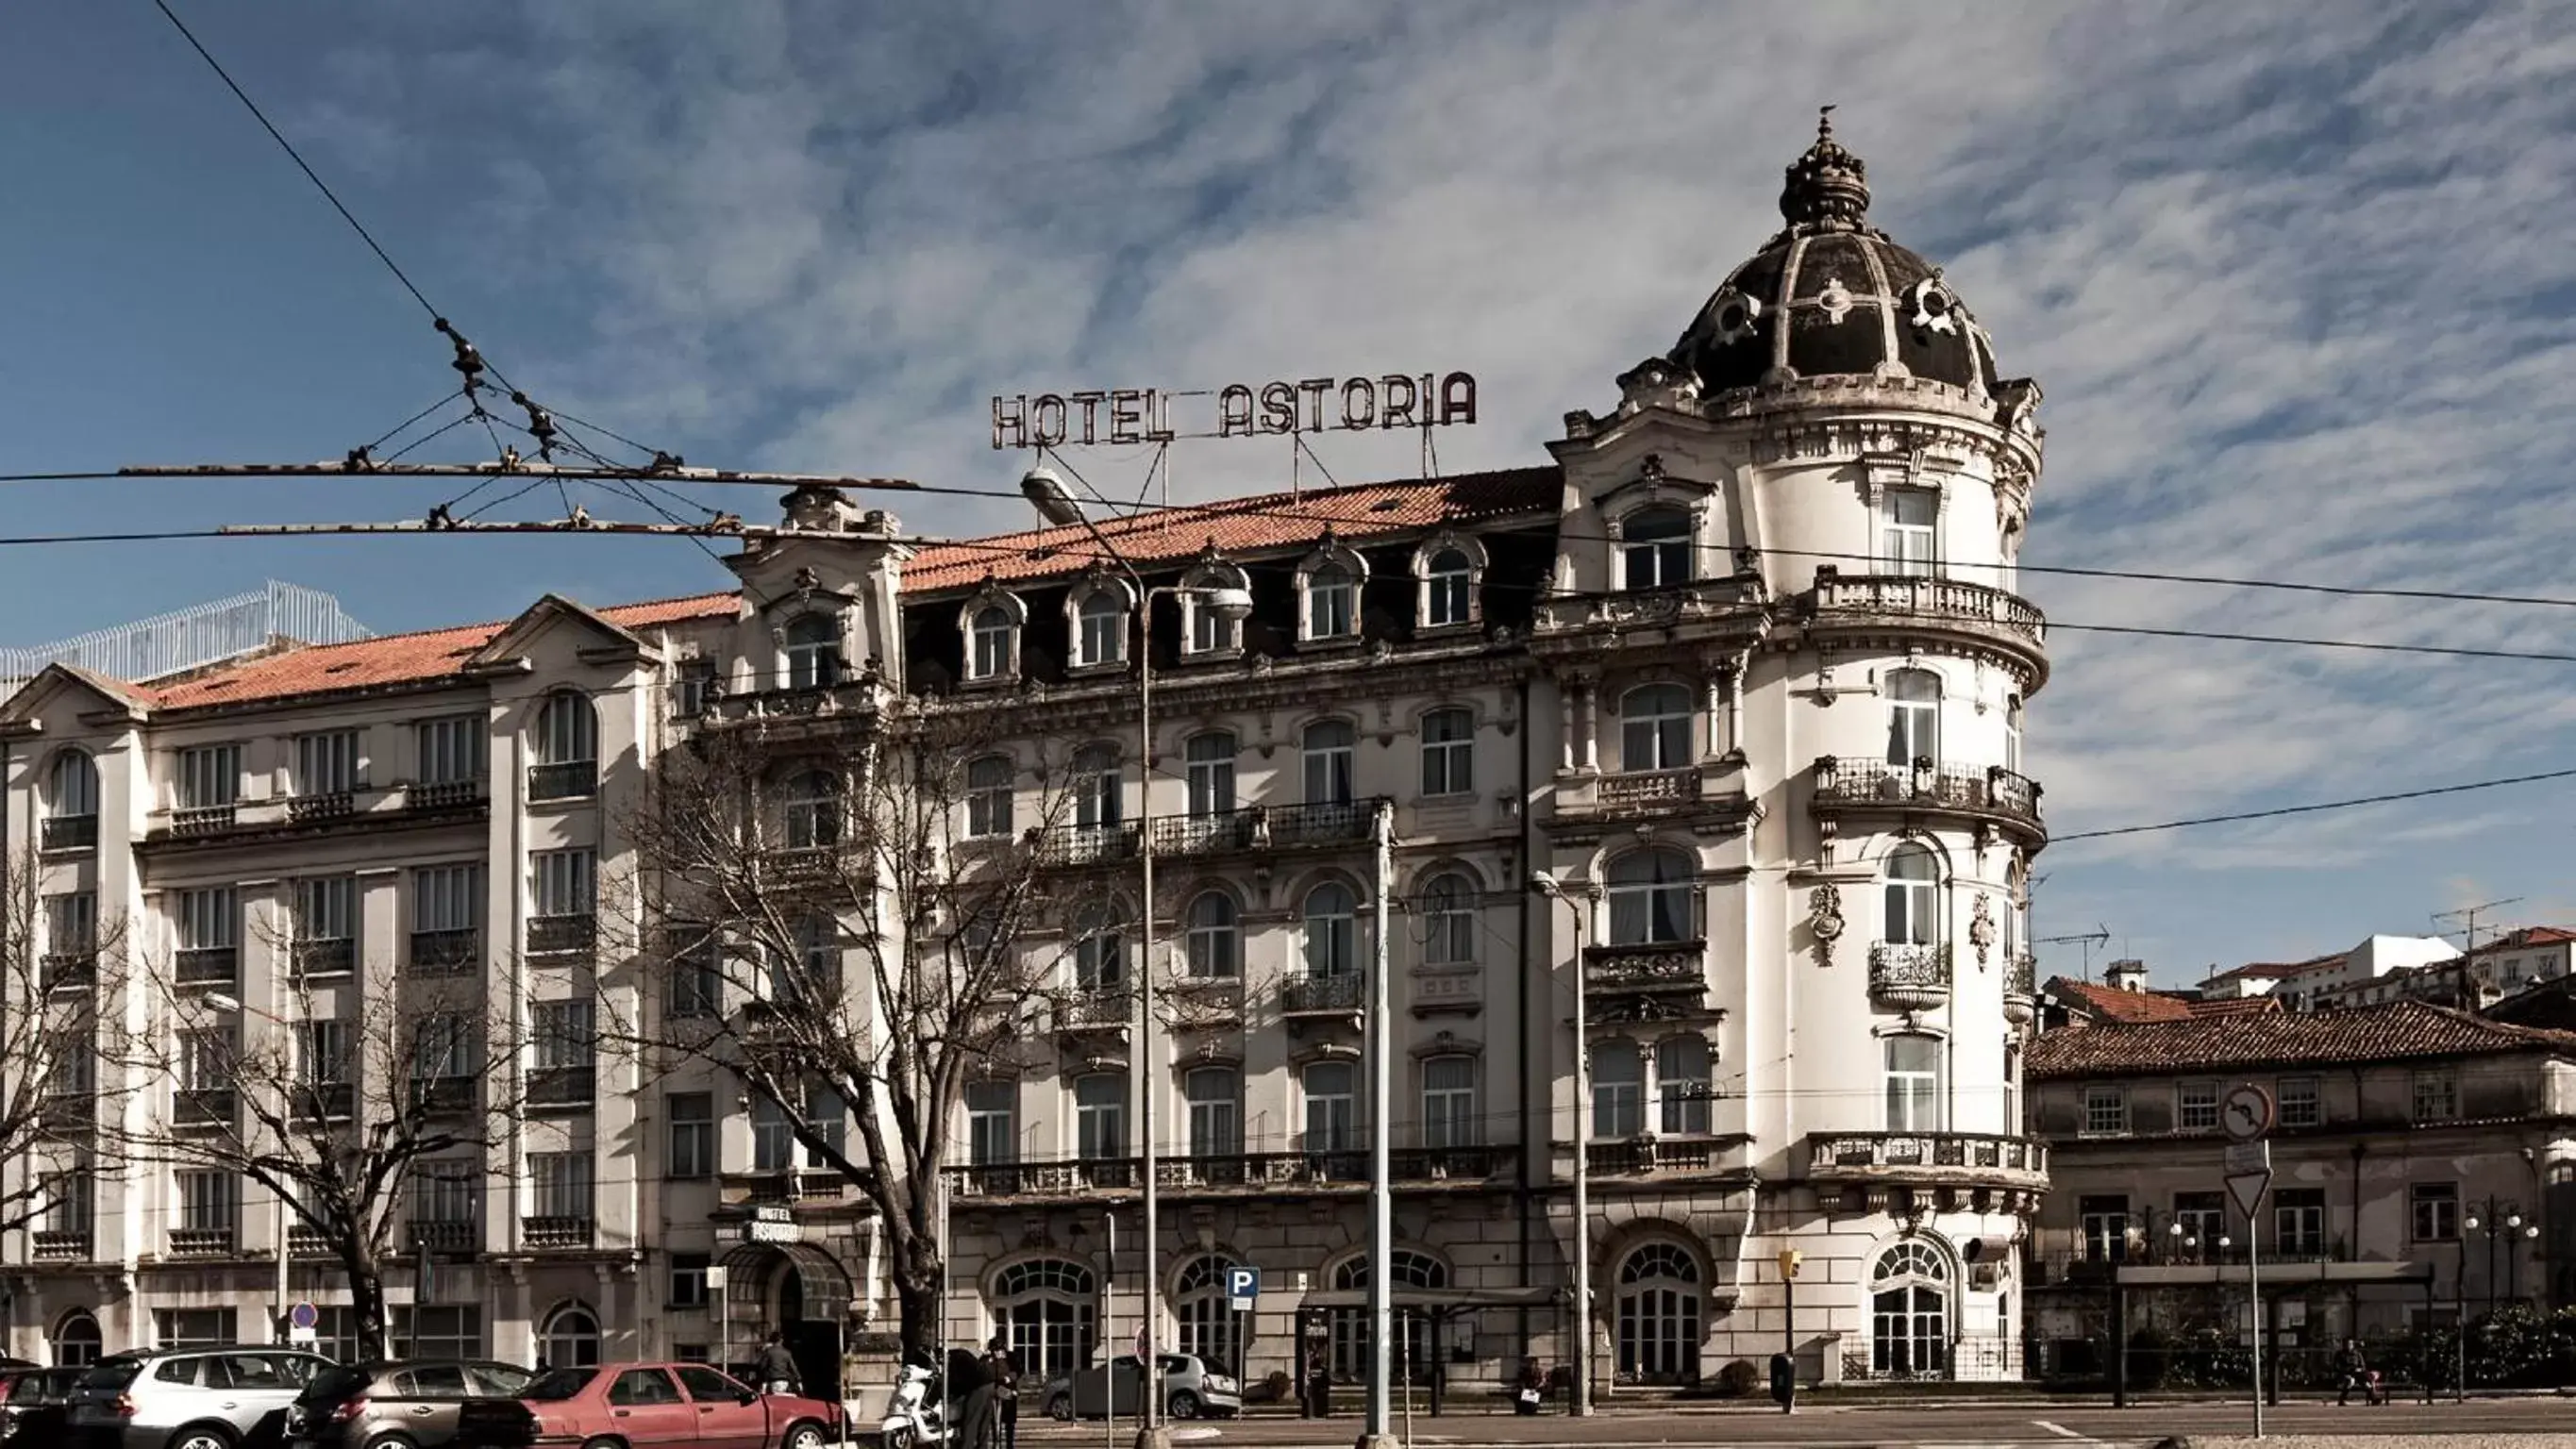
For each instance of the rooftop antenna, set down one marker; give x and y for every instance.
(2467, 916)
(2100, 935)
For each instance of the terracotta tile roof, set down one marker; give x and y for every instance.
(2235, 1006)
(2397, 1031)
(2112, 1004)
(2283, 970)
(2527, 937)
(1240, 526)
(389, 658)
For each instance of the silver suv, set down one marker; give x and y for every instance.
(189, 1398)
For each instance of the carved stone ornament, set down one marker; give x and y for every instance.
(1835, 301)
(1936, 307)
(807, 581)
(1733, 316)
(1981, 929)
(1825, 920)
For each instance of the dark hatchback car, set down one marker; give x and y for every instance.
(37, 1407)
(394, 1402)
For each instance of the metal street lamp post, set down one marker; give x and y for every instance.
(1047, 493)
(1549, 886)
(285, 1214)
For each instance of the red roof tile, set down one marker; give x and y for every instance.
(2113, 1004)
(2235, 1006)
(2283, 970)
(1241, 526)
(2528, 936)
(2397, 1031)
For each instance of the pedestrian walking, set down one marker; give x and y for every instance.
(969, 1381)
(1319, 1386)
(1003, 1373)
(775, 1368)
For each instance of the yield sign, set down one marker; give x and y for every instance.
(2247, 1188)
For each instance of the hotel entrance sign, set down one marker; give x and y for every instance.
(1240, 410)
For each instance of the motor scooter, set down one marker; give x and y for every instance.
(911, 1418)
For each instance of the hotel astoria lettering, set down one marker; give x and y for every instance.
(1313, 405)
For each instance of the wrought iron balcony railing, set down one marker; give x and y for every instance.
(1086, 844)
(1339, 1168)
(562, 1086)
(1650, 787)
(442, 1094)
(1652, 968)
(1320, 995)
(570, 780)
(213, 1107)
(68, 970)
(322, 1101)
(68, 832)
(446, 953)
(208, 965)
(562, 935)
(1097, 1008)
(326, 958)
(1989, 792)
(1910, 975)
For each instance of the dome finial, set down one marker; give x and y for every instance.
(1827, 188)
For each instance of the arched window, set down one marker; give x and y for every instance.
(1045, 1310)
(1210, 1327)
(1099, 950)
(813, 811)
(1682, 1084)
(1101, 628)
(1331, 762)
(566, 749)
(1449, 597)
(989, 639)
(1913, 891)
(1913, 716)
(1909, 1313)
(1654, 728)
(1448, 752)
(1210, 763)
(1332, 1107)
(1650, 898)
(1215, 1095)
(1332, 930)
(71, 789)
(1655, 548)
(77, 1341)
(1210, 630)
(1618, 1090)
(1659, 1313)
(1449, 1102)
(1215, 940)
(1332, 601)
(1350, 1326)
(1096, 783)
(988, 796)
(1449, 920)
(1913, 1083)
(571, 1339)
(813, 647)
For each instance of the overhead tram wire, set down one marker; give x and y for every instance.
(2279, 811)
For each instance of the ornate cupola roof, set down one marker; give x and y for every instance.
(1830, 294)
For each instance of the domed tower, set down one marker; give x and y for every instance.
(1790, 821)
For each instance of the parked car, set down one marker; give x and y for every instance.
(1190, 1390)
(189, 1398)
(410, 1403)
(643, 1405)
(37, 1409)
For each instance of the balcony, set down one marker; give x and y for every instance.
(1649, 787)
(442, 1235)
(1655, 969)
(567, 935)
(325, 958)
(204, 1242)
(1929, 1159)
(1102, 1008)
(442, 1094)
(68, 970)
(1321, 995)
(771, 1186)
(60, 1246)
(68, 832)
(69, 1112)
(1734, 599)
(1989, 796)
(1647, 1156)
(202, 820)
(208, 965)
(329, 805)
(1916, 600)
(556, 1233)
(1266, 828)
(443, 795)
(571, 780)
(2021, 990)
(322, 1101)
(1339, 1170)
(303, 1241)
(212, 1107)
(562, 1086)
(1204, 1001)
(1909, 975)
(446, 953)
(1073, 845)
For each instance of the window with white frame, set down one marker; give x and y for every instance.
(2202, 1216)
(1214, 941)
(1096, 785)
(2103, 1221)
(2435, 1212)
(1099, 950)
(1913, 716)
(322, 1052)
(993, 1121)
(1448, 752)
(209, 920)
(2299, 1221)
(1209, 762)
(566, 1034)
(1100, 1116)
(1331, 762)
(1911, 883)
(567, 730)
(988, 796)
(71, 787)
(1907, 519)
(1332, 930)
(445, 1046)
(1449, 589)
(66, 1201)
(209, 1201)
(1655, 548)
(326, 763)
(1651, 898)
(1618, 1089)
(1684, 1084)
(992, 640)
(1215, 1097)
(1210, 1328)
(563, 1182)
(1449, 1102)
(1100, 629)
(326, 909)
(1332, 1107)
(2301, 1102)
(2106, 1110)
(812, 644)
(209, 776)
(1654, 728)
(1332, 600)
(2012, 733)
(1913, 1083)
(2196, 1106)
(813, 809)
(690, 1147)
(71, 925)
(563, 882)
(451, 749)
(1211, 630)
(1448, 920)
(2437, 1095)
(695, 690)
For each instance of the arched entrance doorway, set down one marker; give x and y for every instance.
(800, 1290)
(77, 1341)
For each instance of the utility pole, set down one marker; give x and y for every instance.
(2467, 916)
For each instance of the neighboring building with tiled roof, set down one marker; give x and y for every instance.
(2087, 1002)
(2396, 1032)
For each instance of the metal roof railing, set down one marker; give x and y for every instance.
(193, 637)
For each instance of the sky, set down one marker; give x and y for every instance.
(2296, 282)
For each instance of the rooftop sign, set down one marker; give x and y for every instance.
(1311, 405)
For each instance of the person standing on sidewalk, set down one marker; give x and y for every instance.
(1003, 1374)
(775, 1367)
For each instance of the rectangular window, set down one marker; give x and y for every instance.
(563, 1183)
(1332, 603)
(1100, 1117)
(454, 1331)
(1210, 630)
(2299, 1221)
(209, 777)
(2104, 1223)
(773, 1137)
(2196, 1106)
(326, 908)
(444, 1191)
(992, 1127)
(2202, 1216)
(1906, 533)
(451, 749)
(1683, 1083)
(2301, 1103)
(563, 882)
(1618, 1091)
(66, 1202)
(321, 1053)
(988, 797)
(75, 1069)
(1210, 766)
(209, 1202)
(2437, 1095)
(1216, 1111)
(1448, 752)
(210, 919)
(444, 1047)
(1449, 1102)
(1913, 1084)
(693, 1135)
(1331, 764)
(2436, 1211)
(827, 1117)
(71, 934)
(697, 975)
(1332, 1108)
(565, 1034)
(696, 688)
(192, 1327)
(447, 898)
(206, 1060)
(689, 1280)
(2106, 1111)
(326, 763)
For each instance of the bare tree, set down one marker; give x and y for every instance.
(846, 909)
(366, 1101)
(57, 955)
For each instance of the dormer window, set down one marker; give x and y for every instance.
(1206, 630)
(991, 622)
(1450, 567)
(1655, 548)
(1328, 587)
(813, 649)
(1100, 628)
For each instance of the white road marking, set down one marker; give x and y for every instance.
(2062, 1431)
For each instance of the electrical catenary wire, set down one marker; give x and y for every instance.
(2281, 810)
